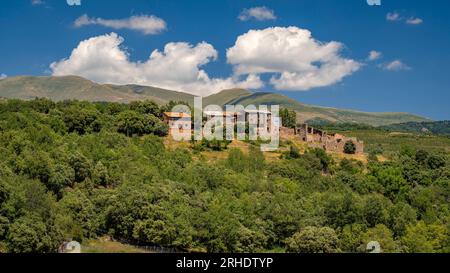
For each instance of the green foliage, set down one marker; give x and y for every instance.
(288, 118)
(133, 123)
(430, 127)
(313, 240)
(78, 170)
(383, 235)
(423, 238)
(349, 147)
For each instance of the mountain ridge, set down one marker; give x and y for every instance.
(78, 88)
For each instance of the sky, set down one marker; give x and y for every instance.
(346, 54)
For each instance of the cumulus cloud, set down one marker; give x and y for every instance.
(294, 58)
(178, 67)
(414, 21)
(257, 13)
(374, 55)
(290, 56)
(3, 76)
(147, 24)
(396, 65)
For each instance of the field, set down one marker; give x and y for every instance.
(106, 245)
(391, 142)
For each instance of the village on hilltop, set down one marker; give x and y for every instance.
(181, 122)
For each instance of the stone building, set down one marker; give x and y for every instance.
(177, 121)
(329, 142)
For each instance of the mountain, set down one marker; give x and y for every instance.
(73, 87)
(310, 112)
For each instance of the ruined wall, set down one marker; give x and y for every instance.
(331, 143)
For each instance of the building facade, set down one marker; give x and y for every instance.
(177, 122)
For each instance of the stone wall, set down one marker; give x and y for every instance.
(329, 142)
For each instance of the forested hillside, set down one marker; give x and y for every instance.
(436, 127)
(80, 170)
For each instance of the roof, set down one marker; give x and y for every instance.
(258, 112)
(176, 115)
(220, 113)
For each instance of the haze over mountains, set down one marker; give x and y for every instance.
(77, 88)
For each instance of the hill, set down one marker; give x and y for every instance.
(434, 127)
(73, 87)
(310, 112)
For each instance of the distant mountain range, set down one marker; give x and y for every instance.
(77, 88)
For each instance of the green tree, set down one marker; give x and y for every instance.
(374, 210)
(423, 238)
(100, 174)
(381, 234)
(288, 118)
(313, 240)
(29, 234)
(349, 147)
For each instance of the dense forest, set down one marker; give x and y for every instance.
(79, 170)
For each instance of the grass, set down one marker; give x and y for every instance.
(106, 245)
(393, 142)
(388, 143)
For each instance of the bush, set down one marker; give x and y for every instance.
(313, 240)
(350, 147)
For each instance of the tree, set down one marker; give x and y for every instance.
(435, 161)
(423, 238)
(374, 210)
(130, 123)
(61, 176)
(81, 165)
(288, 118)
(100, 174)
(81, 120)
(313, 240)
(133, 123)
(350, 238)
(349, 147)
(30, 234)
(421, 156)
(146, 107)
(382, 235)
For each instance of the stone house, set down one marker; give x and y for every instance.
(329, 142)
(177, 121)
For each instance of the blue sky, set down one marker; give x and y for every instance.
(410, 75)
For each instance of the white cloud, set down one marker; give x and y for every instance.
(374, 55)
(396, 65)
(101, 59)
(257, 13)
(37, 2)
(3, 76)
(147, 24)
(393, 16)
(291, 56)
(296, 60)
(414, 21)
